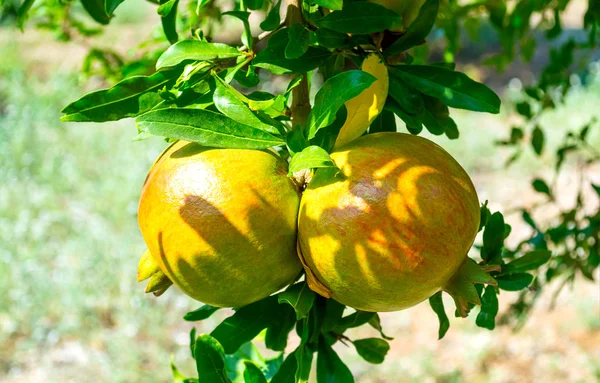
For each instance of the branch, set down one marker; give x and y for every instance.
(300, 107)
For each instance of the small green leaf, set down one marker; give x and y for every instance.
(240, 15)
(200, 314)
(298, 41)
(384, 122)
(206, 128)
(23, 11)
(437, 304)
(355, 319)
(201, 3)
(300, 297)
(304, 358)
(128, 98)
(455, 89)
(178, 377)
(514, 282)
(418, 30)
(311, 157)
(406, 96)
(541, 186)
(413, 123)
(97, 10)
(530, 261)
(169, 22)
(373, 350)
(334, 5)
(489, 309)
(277, 333)
(192, 340)
(165, 8)
(331, 39)
(287, 371)
(360, 18)
(333, 313)
(330, 368)
(210, 360)
(296, 142)
(375, 322)
(253, 374)
(332, 96)
(246, 323)
(493, 238)
(254, 4)
(195, 50)
(271, 22)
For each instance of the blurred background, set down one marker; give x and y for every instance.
(70, 307)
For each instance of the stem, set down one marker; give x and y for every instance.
(300, 107)
(247, 31)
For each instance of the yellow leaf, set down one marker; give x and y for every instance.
(365, 107)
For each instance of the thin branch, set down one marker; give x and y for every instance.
(300, 107)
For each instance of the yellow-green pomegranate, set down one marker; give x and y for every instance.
(221, 224)
(391, 226)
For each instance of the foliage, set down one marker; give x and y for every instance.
(205, 91)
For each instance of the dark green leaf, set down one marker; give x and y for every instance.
(384, 122)
(22, 12)
(333, 313)
(169, 22)
(437, 304)
(373, 350)
(325, 138)
(455, 89)
(201, 3)
(287, 371)
(206, 128)
(273, 57)
(360, 18)
(489, 309)
(418, 30)
(332, 96)
(240, 15)
(296, 142)
(210, 360)
(273, 19)
(229, 103)
(530, 261)
(97, 10)
(331, 39)
(514, 282)
(436, 116)
(278, 331)
(596, 188)
(375, 322)
(299, 296)
(128, 98)
(246, 323)
(330, 368)
(298, 41)
(493, 238)
(165, 8)
(253, 374)
(541, 186)
(192, 340)
(413, 123)
(311, 158)
(524, 109)
(355, 319)
(334, 5)
(407, 97)
(200, 314)
(304, 358)
(195, 50)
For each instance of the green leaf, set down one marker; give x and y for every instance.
(298, 41)
(97, 10)
(373, 350)
(254, 4)
(228, 103)
(413, 123)
(178, 377)
(165, 8)
(111, 5)
(210, 360)
(287, 371)
(196, 51)
(304, 358)
(530, 261)
(418, 30)
(169, 22)
(360, 18)
(384, 122)
(541, 186)
(274, 60)
(278, 331)
(311, 157)
(406, 96)
(355, 319)
(333, 313)
(206, 128)
(325, 138)
(489, 309)
(296, 142)
(493, 237)
(514, 282)
(437, 304)
(331, 39)
(375, 322)
(332, 96)
(240, 15)
(192, 340)
(330, 368)
(334, 5)
(253, 374)
(436, 117)
(455, 89)
(128, 98)
(200, 314)
(271, 22)
(596, 188)
(201, 3)
(300, 297)
(23, 11)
